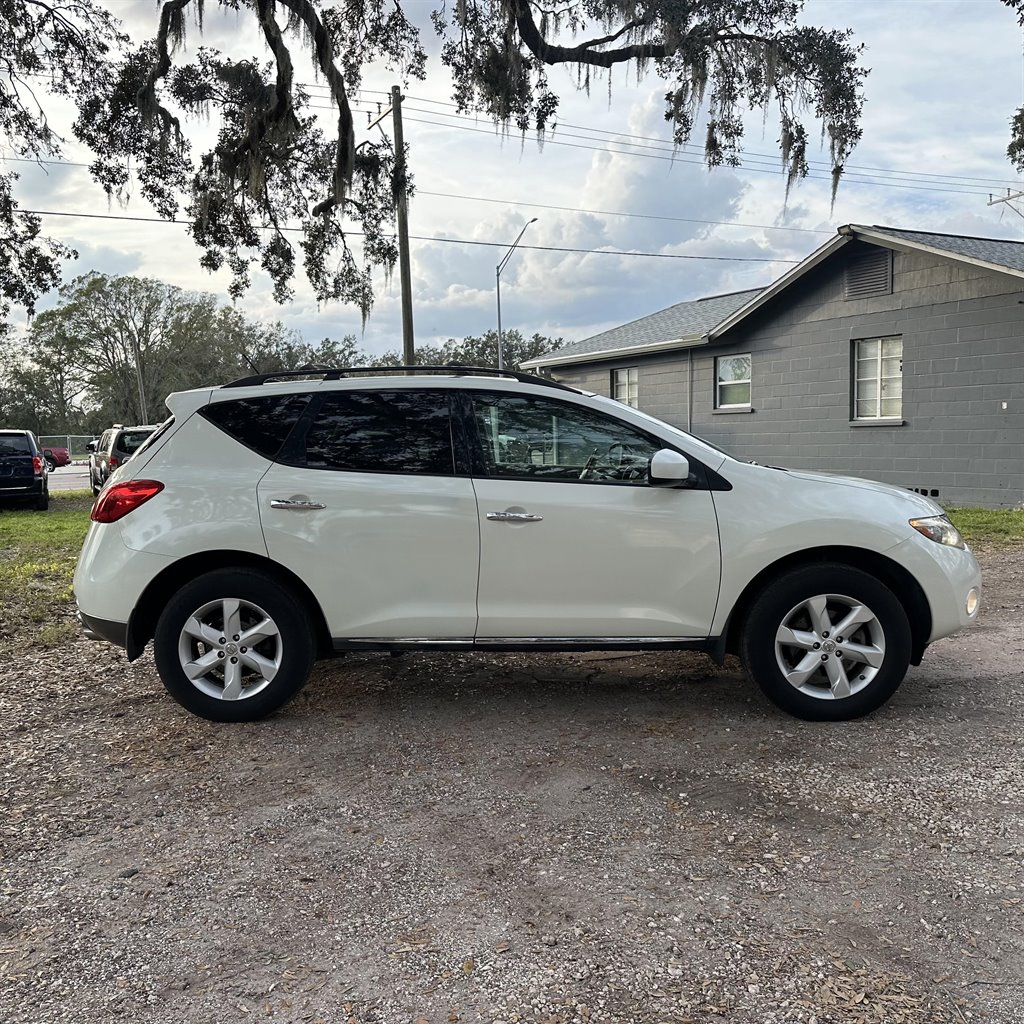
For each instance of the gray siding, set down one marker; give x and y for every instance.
(963, 381)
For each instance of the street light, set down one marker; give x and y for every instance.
(497, 278)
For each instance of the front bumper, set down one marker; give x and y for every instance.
(948, 576)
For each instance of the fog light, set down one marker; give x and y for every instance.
(972, 601)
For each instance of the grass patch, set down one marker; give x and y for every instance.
(38, 551)
(1002, 526)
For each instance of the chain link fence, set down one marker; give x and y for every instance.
(75, 444)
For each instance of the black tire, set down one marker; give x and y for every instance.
(51, 463)
(96, 488)
(789, 643)
(290, 650)
(43, 501)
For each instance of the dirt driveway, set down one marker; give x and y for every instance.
(563, 839)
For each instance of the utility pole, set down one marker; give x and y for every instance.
(405, 272)
(1009, 199)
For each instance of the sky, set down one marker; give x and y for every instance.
(946, 77)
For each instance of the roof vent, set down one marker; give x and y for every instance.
(870, 274)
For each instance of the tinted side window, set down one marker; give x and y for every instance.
(544, 439)
(261, 423)
(381, 432)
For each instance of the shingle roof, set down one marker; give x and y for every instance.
(998, 251)
(682, 320)
(702, 316)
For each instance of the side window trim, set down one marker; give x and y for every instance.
(293, 451)
(466, 441)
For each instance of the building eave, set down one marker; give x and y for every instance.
(878, 236)
(652, 348)
(818, 256)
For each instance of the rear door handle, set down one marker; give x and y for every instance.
(513, 517)
(295, 505)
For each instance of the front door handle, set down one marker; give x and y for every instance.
(295, 505)
(513, 517)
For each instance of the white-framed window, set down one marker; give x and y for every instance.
(732, 382)
(626, 385)
(878, 378)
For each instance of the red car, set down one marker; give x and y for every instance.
(57, 457)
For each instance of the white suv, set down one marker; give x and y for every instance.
(280, 519)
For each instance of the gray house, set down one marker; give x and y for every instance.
(889, 354)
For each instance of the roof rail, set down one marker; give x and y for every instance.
(337, 372)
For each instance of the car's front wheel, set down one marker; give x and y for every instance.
(827, 642)
(233, 645)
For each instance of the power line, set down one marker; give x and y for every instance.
(619, 213)
(751, 162)
(432, 238)
(848, 179)
(518, 202)
(669, 147)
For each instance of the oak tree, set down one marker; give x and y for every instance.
(280, 185)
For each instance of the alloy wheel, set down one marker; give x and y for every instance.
(830, 646)
(230, 649)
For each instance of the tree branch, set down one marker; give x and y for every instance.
(581, 54)
(146, 97)
(279, 109)
(323, 50)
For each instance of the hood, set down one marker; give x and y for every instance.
(926, 506)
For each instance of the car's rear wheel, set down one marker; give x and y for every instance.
(42, 503)
(233, 645)
(827, 642)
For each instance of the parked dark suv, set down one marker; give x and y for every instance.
(116, 446)
(23, 470)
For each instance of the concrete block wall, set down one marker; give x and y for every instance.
(963, 381)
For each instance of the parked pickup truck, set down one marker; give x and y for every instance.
(56, 457)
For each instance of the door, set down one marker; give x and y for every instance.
(574, 541)
(363, 504)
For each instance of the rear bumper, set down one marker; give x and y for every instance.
(104, 629)
(23, 490)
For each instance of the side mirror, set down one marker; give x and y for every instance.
(668, 467)
(90, 446)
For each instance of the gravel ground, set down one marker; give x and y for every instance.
(439, 838)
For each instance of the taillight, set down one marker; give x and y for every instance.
(37, 465)
(113, 462)
(117, 501)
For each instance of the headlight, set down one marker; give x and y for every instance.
(940, 530)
